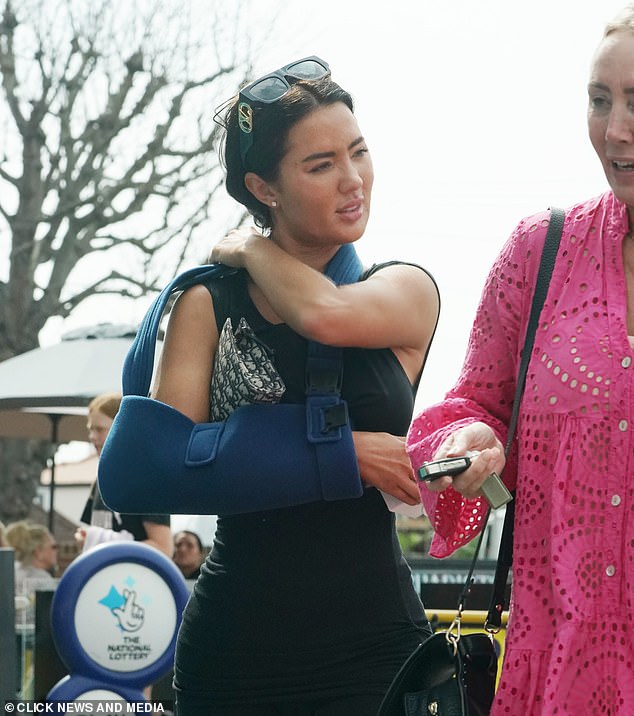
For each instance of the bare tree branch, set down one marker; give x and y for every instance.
(112, 122)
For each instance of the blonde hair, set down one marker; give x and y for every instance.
(26, 537)
(623, 20)
(106, 403)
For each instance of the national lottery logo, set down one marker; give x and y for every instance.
(130, 617)
(125, 608)
(125, 617)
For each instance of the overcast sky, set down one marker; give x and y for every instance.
(475, 116)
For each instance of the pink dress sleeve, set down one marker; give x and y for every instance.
(486, 386)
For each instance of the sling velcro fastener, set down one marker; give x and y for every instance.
(203, 444)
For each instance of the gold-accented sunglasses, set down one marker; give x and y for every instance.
(269, 89)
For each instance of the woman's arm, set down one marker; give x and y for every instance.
(367, 314)
(159, 537)
(191, 339)
(396, 308)
(383, 463)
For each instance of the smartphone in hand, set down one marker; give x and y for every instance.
(430, 471)
(492, 488)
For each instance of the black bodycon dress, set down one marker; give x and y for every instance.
(309, 602)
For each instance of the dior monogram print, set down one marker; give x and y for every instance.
(243, 372)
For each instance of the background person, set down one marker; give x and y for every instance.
(35, 561)
(102, 524)
(189, 553)
(311, 608)
(570, 639)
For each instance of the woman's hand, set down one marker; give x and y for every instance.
(80, 537)
(231, 250)
(384, 464)
(477, 438)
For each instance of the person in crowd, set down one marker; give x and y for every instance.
(189, 553)
(100, 524)
(570, 640)
(35, 562)
(308, 608)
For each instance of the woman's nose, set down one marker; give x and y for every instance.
(351, 178)
(620, 127)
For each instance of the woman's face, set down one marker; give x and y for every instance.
(187, 554)
(45, 556)
(611, 112)
(98, 428)
(325, 179)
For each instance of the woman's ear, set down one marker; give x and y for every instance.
(260, 189)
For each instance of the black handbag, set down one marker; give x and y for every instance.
(450, 673)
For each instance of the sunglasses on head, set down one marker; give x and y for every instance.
(269, 89)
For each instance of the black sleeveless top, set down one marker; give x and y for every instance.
(313, 601)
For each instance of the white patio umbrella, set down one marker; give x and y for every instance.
(44, 393)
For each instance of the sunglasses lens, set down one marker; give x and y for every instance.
(307, 70)
(269, 89)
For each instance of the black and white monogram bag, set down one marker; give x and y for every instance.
(243, 372)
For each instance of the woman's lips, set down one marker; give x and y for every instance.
(352, 211)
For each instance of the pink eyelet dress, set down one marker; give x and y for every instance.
(570, 639)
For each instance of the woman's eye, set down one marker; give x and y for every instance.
(599, 102)
(320, 167)
(361, 151)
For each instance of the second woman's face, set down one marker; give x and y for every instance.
(611, 112)
(324, 185)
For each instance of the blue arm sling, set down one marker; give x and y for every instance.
(157, 460)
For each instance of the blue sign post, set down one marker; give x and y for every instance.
(115, 617)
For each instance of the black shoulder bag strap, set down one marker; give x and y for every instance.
(505, 555)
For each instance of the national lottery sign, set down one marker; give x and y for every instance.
(125, 617)
(116, 612)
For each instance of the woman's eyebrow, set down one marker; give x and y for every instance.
(598, 86)
(326, 155)
(605, 88)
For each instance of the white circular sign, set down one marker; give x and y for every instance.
(125, 617)
(99, 695)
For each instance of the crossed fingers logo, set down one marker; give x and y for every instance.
(124, 607)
